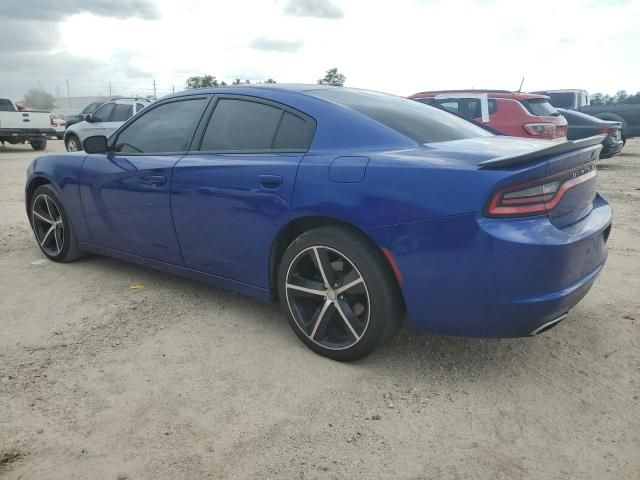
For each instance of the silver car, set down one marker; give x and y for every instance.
(104, 121)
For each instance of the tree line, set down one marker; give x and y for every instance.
(331, 77)
(620, 98)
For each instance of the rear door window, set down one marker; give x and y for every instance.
(241, 125)
(121, 113)
(294, 133)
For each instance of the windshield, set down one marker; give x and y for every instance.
(420, 122)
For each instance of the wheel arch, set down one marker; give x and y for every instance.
(32, 186)
(300, 225)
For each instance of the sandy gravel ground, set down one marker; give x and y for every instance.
(178, 380)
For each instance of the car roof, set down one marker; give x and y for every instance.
(491, 93)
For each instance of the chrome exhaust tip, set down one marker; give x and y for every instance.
(550, 324)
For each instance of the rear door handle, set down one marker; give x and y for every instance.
(158, 179)
(270, 181)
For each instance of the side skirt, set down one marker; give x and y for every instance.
(258, 293)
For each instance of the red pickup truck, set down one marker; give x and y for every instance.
(511, 113)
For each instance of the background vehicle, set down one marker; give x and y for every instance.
(347, 206)
(627, 115)
(104, 121)
(92, 107)
(59, 125)
(511, 113)
(31, 126)
(584, 126)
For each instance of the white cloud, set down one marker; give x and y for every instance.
(401, 47)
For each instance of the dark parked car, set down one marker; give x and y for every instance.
(627, 115)
(582, 125)
(348, 207)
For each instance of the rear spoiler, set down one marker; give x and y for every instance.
(556, 149)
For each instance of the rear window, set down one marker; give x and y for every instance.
(539, 107)
(418, 121)
(6, 106)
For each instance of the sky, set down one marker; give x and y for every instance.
(399, 46)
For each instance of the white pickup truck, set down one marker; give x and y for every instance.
(16, 126)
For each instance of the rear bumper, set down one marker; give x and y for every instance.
(611, 147)
(473, 276)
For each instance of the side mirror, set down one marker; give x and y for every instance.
(95, 144)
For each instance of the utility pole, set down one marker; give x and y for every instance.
(155, 97)
(68, 95)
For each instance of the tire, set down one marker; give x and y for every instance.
(38, 143)
(341, 324)
(72, 143)
(51, 226)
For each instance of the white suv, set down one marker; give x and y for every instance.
(104, 121)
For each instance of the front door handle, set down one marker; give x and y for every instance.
(158, 179)
(270, 181)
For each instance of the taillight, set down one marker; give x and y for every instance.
(608, 130)
(537, 129)
(539, 196)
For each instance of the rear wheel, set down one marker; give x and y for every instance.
(339, 294)
(52, 227)
(38, 143)
(72, 143)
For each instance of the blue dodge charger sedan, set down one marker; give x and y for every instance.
(353, 209)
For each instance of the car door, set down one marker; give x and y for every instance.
(232, 193)
(126, 192)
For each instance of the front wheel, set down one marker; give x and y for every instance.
(72, 143)
(339, 293)
(52, 227)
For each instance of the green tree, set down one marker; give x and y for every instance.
(38, 99)
(332, 77)
(202, 82)
(635, 99)
(600, 99)
(620, 96)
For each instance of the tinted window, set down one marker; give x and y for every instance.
(540, 107)
(6, 106)
(121, 113)
(241, 125)
(475, 108)
(103, 113)
(294, 133)
(561, 100)
(420, 122)
(165, 129)
(449, 105)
